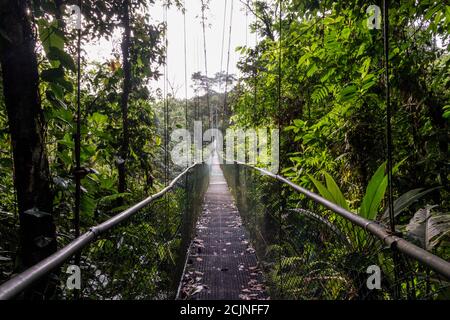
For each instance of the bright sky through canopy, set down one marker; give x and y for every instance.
(240, 36)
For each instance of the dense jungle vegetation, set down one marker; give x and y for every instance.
(317, 73)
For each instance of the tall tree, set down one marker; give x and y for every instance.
(27, 128)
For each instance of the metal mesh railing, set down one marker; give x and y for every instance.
(140, 258)
(309, 251)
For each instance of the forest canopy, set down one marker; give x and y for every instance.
(316, 72)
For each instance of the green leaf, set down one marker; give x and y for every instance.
(87, 205)
(428, 227)
(52, 75)
(336, 192)
(446, 114)
(328, 75)
(346, 33)
(55, 101)
(67, 85)
(65, 59)
(98, 118)
(374, 194)
(405, 200)
(113, 197)
(50, 35)
(303, 59)
(57, 90)
(158, 141)
(364, 69)
(322, 189)
(312, 70)
(348, 93)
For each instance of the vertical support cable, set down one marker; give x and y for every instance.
(255, 95)
(185, 66)
(223, 39)
(255, 67)
(389, 145)
(246, 27)
(78, 139)
(77, 173)
(223, 44)
(388, 116)
(188, 162)
(225, 107)
(197, 68)
(166, 120)
(166, 102)
(280, 187)
(206, 61)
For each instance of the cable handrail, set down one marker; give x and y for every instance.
(23, 280)
(430, 260)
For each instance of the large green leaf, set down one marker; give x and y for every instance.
(56, 54)
(428, 228)
(50, 35)
(335, 191)
(374, 194)
(52, 75)
(322, 189)
(405, 200)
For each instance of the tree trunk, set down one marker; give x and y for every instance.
(26, 124)
(126, 43)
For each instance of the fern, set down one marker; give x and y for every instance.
(319, 94)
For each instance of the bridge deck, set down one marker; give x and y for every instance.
(221, 264)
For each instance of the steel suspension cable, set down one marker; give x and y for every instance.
(255, 72)
(246, 27)
(165, 99)
(166, 118)
(185, 66)
(186, 107)
(223, 41)
(78, 169)
(206, 60)
(388, 115)
(389, 146)
(225, 108)
(197, 67)
(255, 78)
(222, 50)
(280, 191)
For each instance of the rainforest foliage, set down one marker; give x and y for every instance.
(316, 72)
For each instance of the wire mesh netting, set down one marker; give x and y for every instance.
(143, 257)
(309, 252)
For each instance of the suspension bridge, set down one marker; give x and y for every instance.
(245, 240)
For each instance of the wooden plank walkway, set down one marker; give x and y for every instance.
(221, 264)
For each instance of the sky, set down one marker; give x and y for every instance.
(240, 36)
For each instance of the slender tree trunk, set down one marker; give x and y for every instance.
(126, 43)
(26, 124)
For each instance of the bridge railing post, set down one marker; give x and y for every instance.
(237, 184)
